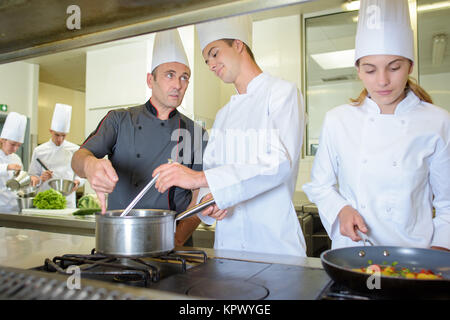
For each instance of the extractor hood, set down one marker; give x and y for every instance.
(31, 28)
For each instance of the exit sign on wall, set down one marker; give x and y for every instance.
(3, 107)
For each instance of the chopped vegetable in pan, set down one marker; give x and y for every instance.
(391, 271)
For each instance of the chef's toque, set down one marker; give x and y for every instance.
(168, 47)
(384, 28)
(14, 127)
(239, 27)
(61, 118)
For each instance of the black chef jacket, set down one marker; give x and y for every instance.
(136, 142)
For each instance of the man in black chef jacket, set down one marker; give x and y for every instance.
(139, 139)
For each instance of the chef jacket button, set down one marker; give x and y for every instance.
(363, 206)
(372, 119)
(162, 124)
(388, 209)
(364, 161)
(140, 127)
(138, 155)
(394, 163)
(403, 121)
(136, 184)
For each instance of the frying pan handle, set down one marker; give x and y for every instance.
(364, 237)
(195, 209)
(42, 164)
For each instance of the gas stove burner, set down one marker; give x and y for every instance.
(127, 278)
(131, 271)
(229, 289)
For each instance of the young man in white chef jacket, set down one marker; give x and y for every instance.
(383, 161)
(251, 160)
(11, 138)
(56, 154)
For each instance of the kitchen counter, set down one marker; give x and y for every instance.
(21, 248)
(85, 225)
(81, 225)
(67, 223)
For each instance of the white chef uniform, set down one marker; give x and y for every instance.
(57, 158)
(255, 186)
(387, 167)
(392, 168)
(14, 130)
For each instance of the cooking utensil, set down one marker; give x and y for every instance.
(27, 192)
(46, 168)
(42, 164)
(143, 232)
(62, 185)
(20, 180)
(25, 203)
(338, 263)
(141, 194)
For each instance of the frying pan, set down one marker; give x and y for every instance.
(339, 262)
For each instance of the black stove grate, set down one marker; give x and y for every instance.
(134, 271)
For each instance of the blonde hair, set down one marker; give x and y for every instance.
(410, 85)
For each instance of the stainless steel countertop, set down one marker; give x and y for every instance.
(85, 225)
(70, 224)
(22, 248)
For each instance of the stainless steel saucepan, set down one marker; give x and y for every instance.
(143, 232)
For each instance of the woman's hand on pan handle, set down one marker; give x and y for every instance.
(213, 210)
(350, 220)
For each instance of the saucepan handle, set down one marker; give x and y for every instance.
(195, 209)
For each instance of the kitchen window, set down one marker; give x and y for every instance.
(433, 32)
(331, 78)
(330, 74)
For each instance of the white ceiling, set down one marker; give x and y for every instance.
(326, 33)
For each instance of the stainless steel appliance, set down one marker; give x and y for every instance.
(143, 232)
(192, 274)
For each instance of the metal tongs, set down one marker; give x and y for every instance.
(141, 194)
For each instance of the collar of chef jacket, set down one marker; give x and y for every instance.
(404, 106)
(53, 145)
(252, 86)
(152, 109)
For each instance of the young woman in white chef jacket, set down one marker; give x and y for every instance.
(11, 139)
(383, 161)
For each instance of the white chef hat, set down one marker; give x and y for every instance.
(61, 118)
(239, 27)
(14, 127)
(168, 47)
(384, 27)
